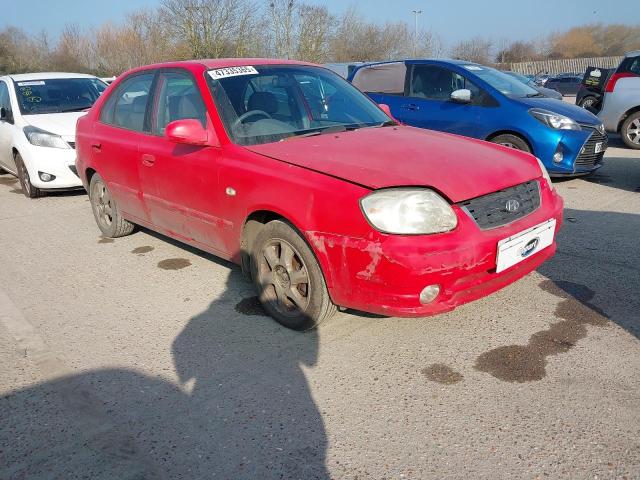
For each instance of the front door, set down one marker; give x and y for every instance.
(180, 182)
(428, 102)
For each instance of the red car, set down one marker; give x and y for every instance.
(325, 201)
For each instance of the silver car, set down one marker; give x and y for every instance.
(620, 111)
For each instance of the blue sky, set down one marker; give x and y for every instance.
(453, 20)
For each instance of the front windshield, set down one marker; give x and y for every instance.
(270, 103)
(58, 95)
(523, 78)
(502, 82)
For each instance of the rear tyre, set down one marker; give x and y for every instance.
(25, 182)
(105, 211)
(630, 131)
(288, 279)
(588, 102)
(512, 141)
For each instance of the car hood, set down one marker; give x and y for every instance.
(461, 168)
(63, 124)
(578, 114)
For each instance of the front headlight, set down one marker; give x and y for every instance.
(554, 120)
(545, 174)
(42, 138)
(409, 211)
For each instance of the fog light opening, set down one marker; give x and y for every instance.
(429, 294)
(558, 156)
(46, 177)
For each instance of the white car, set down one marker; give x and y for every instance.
(38, 114)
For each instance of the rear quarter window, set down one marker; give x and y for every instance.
(388, 78)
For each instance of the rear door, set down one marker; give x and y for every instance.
(6, 129)
(384, 83)
(428, 102)
(180, 182)
(124, 121)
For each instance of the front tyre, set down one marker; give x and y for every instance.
(631, 131)
(512, 141)
(105, 211)
(288, 278)
(25, 181)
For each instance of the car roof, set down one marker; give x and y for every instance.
(220, 63)
(633, 53)
(441, 61)
(23, 77)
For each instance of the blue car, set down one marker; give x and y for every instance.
(480, 102)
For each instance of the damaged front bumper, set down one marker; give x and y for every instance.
(385, 274)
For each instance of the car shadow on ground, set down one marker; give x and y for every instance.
(617, 172)
(242, 408)
(597, 265)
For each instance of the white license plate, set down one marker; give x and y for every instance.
(599, 147)
(523, 245)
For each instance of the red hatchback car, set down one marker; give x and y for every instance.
(287, 169)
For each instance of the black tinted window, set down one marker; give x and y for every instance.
(127, 106)
(178, 99)
(634, 65)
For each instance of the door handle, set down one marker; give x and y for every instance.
(410, 106)
(96, 146)
(148, 160)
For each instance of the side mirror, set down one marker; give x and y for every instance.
(189, 132)
(6, 115)
(386, 109)
(461, 96)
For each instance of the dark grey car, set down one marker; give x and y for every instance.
(565, 84)
(547, 92)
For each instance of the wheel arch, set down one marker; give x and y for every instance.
(626, 114)
(512, 132)
(252, 225)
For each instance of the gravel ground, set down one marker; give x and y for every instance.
(142, 358)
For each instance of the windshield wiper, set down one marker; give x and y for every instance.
(77, 109)
(335, 129)
(534, 95)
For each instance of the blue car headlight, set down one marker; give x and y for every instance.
(554, 120)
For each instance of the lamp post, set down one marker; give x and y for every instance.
(415, 32)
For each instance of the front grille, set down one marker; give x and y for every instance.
(72, 144)
(74, 170)
(490, 211)
(588, 156)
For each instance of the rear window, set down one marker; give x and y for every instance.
(384, 78)
(630, 65)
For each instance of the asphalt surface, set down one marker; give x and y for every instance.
(142, 358)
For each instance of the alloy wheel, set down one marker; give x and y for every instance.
(102, 201)
(633, 131)
(284, 278)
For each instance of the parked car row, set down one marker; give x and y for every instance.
(480, 102)
(327, 198)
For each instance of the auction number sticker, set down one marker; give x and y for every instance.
(30, 84)
(219, 73)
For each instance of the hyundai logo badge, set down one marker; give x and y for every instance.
(529, 247)
(512, 206)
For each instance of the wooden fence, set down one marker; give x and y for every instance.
(577, 65)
